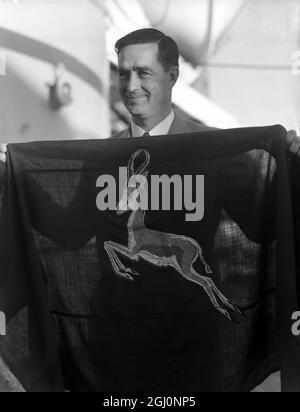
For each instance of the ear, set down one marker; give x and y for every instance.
(173, 76)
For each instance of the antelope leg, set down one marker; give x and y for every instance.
(120, 271)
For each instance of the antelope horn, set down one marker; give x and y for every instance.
(144, 165)
(131, 162)
(142, 168)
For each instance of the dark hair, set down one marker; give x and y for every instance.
(168, 54)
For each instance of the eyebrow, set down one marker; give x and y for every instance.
(135, 68)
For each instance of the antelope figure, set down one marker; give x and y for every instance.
(159, 248)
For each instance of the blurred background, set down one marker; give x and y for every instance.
(240, 63)
(240, 66)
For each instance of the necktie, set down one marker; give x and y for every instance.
(146, 134)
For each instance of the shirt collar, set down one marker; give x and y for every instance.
(160, 129)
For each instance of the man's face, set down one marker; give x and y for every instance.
(144, 86)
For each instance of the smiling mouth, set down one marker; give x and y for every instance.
(135, 99)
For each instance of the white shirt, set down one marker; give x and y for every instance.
(161, 129)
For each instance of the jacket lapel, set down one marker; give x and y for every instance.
(178, 126)
(123, 135)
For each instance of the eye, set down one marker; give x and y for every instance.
(144, 74)
(123, 75)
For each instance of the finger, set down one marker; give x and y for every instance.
(2, 157)
(290, 137)
(295, 146)
(3, 148)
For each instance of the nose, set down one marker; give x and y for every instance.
(133, 82)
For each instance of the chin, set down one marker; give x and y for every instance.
(136, 111)
(135, 107)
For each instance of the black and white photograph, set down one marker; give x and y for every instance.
(149, 198)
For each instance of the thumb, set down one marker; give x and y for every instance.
(3, 148)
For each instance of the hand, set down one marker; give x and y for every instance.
(3, 153)
(293, 143)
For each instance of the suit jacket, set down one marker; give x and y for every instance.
(178, 126)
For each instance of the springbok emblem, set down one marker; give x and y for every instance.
(159, 248)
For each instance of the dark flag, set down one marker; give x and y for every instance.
(157, 264)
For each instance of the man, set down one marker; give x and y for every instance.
(148, 71)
